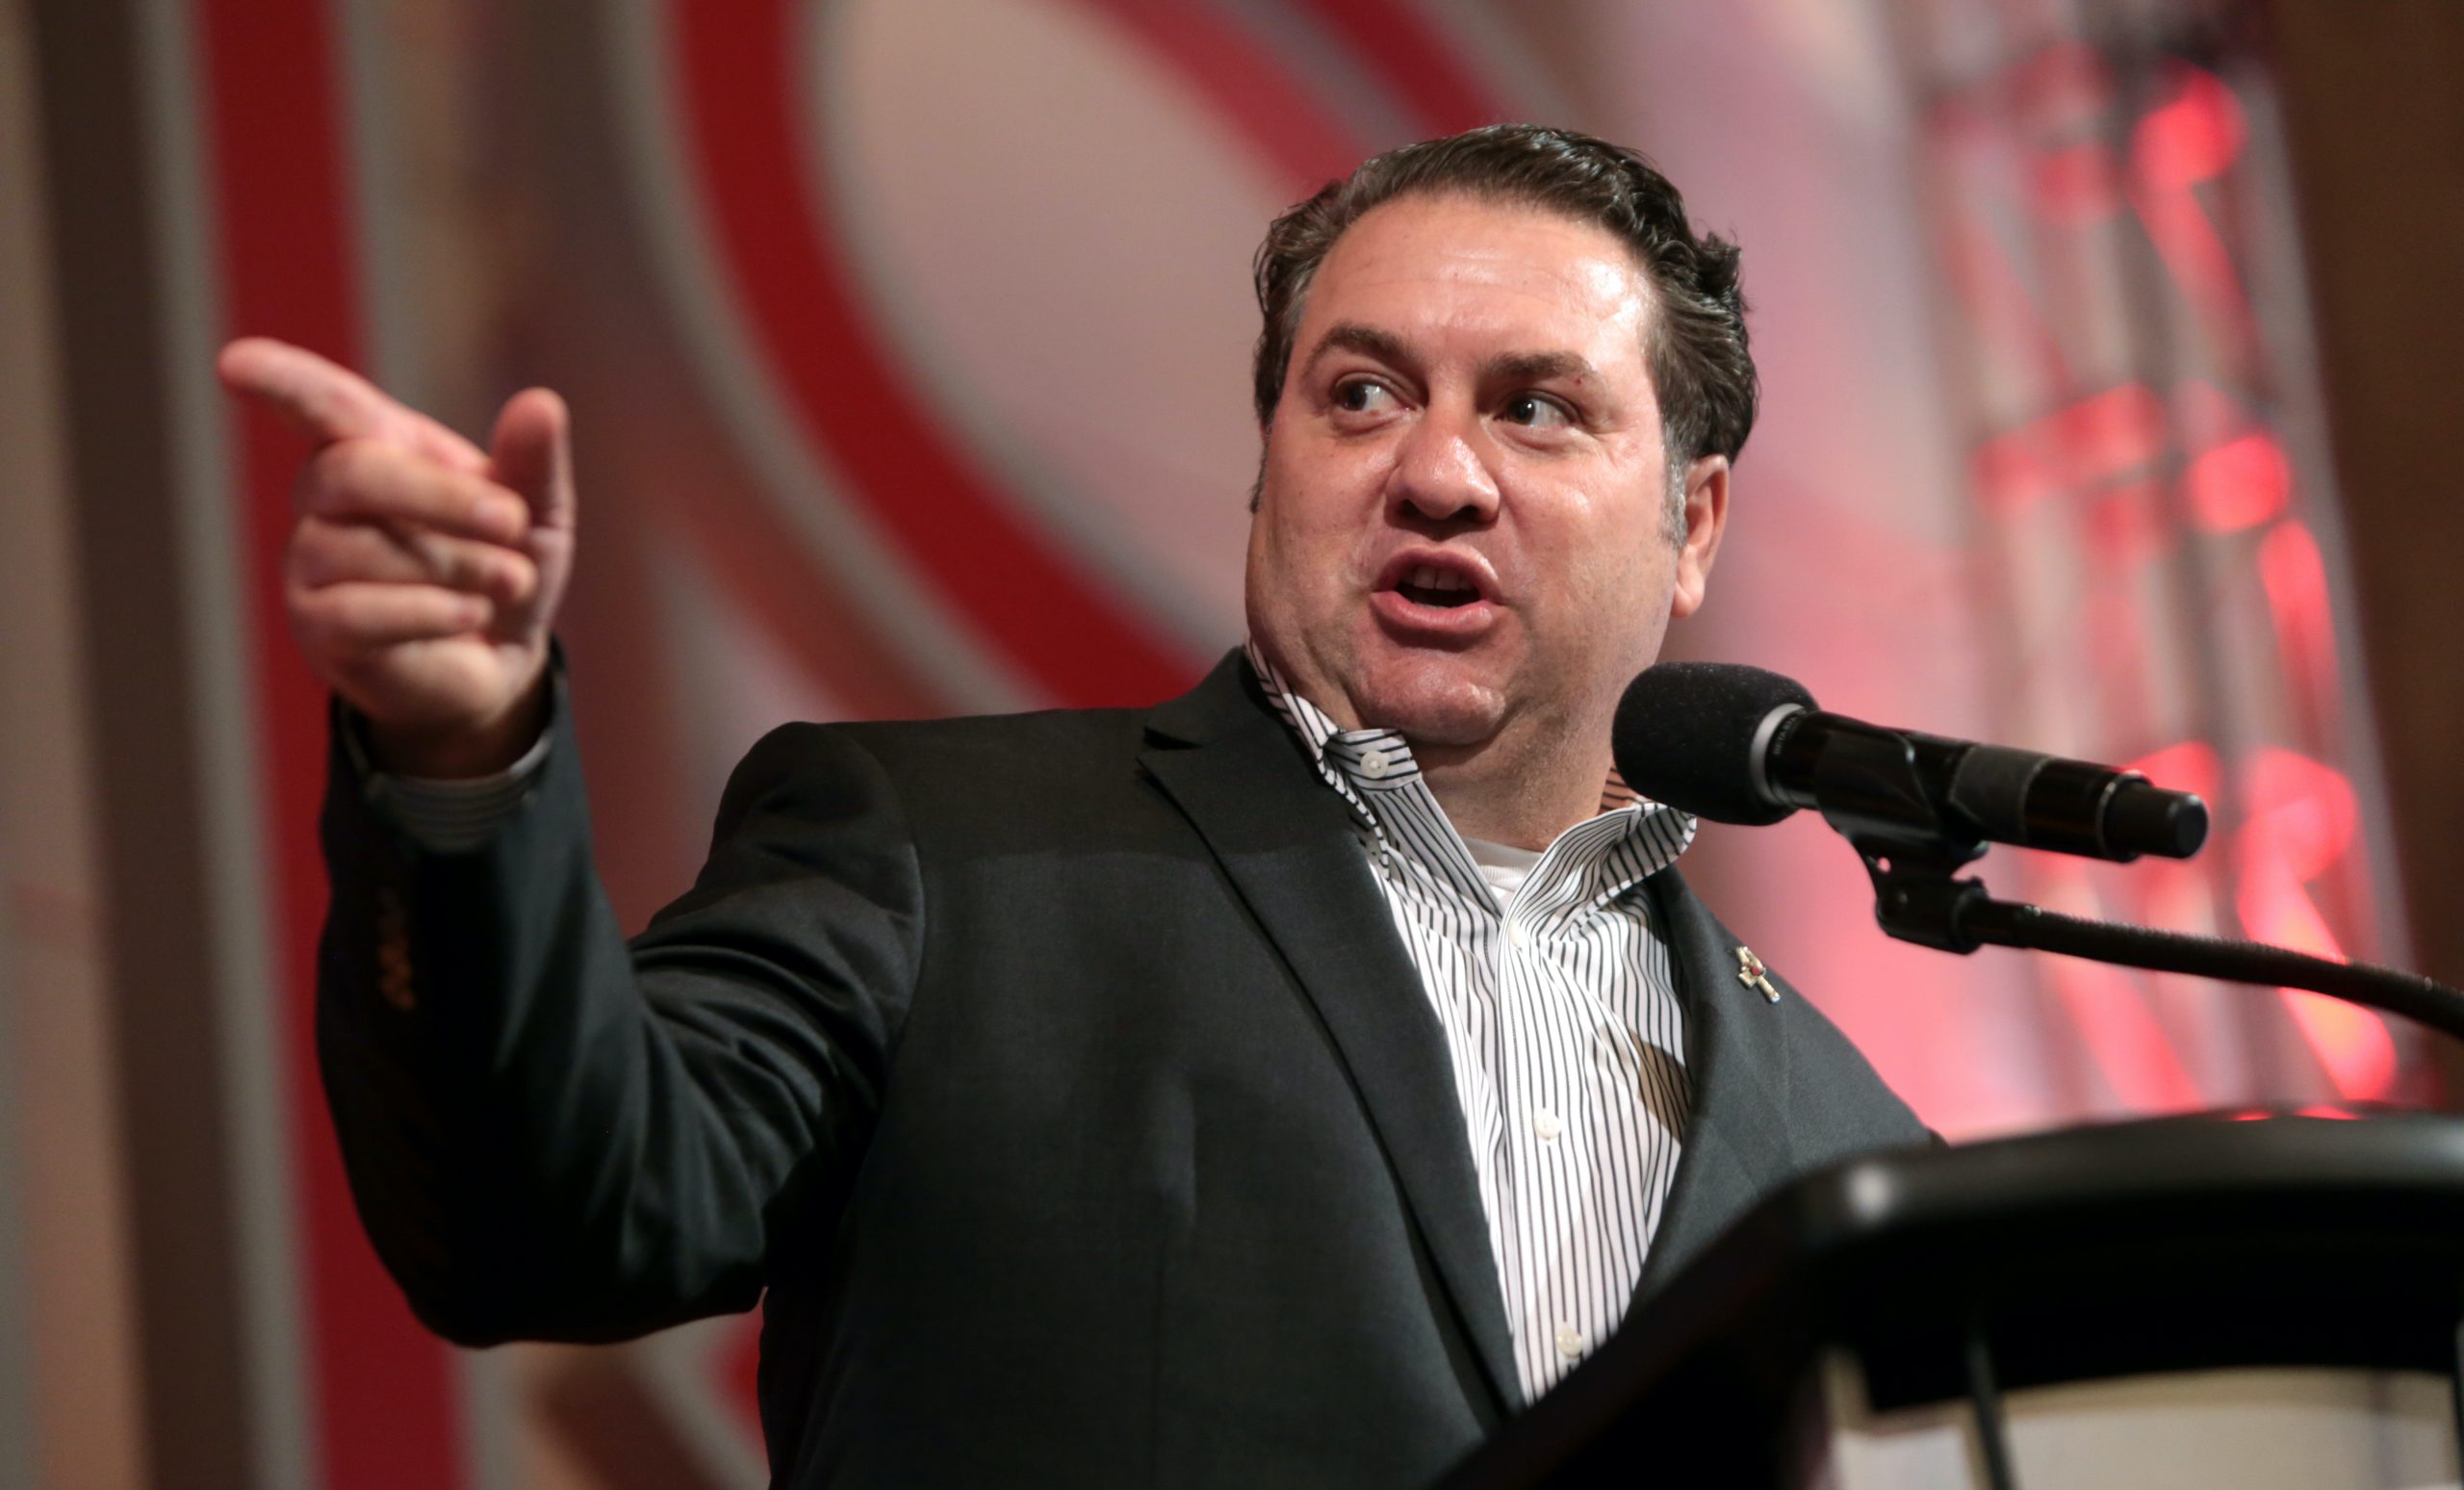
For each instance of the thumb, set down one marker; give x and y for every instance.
(531, 453)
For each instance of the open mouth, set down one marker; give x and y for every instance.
(1430, 585)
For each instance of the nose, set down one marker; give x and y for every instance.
(1441, 472)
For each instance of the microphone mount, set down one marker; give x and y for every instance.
(1874, 796)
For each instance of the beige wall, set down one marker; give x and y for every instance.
(67, 1374)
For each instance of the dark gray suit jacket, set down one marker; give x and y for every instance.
(1059, 1077)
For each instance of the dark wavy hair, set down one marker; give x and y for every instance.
(1700, 369)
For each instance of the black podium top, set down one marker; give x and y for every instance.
(2173, 1244)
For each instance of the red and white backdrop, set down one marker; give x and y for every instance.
(908, 340)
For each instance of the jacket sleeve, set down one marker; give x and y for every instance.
(552, 1136)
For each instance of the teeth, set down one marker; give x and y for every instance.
(1428, 576)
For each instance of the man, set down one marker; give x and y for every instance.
(1282, 1085)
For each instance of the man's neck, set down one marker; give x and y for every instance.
(1523, 803)
(1522, 787)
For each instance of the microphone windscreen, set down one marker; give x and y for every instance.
(1685, 736)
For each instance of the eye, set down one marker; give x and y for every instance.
(1536, 411)
(1363, 396)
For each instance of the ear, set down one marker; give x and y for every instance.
(1707, 516)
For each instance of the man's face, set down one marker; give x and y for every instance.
(1461, 530)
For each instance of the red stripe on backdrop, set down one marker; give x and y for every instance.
(759, 185)
(1253, 88)
(830, 638)
(1422, 68)
(380, 1386)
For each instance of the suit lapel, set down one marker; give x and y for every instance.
(1285, 839)
(1736, 1143)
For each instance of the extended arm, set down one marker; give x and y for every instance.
(552, 1136)
(549, 1135)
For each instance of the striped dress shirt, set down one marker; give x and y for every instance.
(1559, 1005)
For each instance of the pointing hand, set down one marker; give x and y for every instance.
(422, 573)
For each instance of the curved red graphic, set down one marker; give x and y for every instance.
(767, 200)
(796, 291)
(381, 1388)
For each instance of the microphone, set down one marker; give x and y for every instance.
(1736, 744)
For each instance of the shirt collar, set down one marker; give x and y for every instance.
(1638, 835)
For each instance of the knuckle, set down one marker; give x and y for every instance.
(312, 624)
(300, 549)
(521, 576)
(487, 504)
(481, 571)
(342, 469)
(305, 564)
(307, 492)
(322, 553)
(311, 534)
(332, 463)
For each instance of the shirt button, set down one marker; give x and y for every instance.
(1376, 764)
(1548, 1125)
(1515, 934)
(1568, 1342)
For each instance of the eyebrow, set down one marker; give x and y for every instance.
(1506, 367)
(1539, 368)
(1353, 337)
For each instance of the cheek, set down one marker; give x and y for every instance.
(1314, 532)
(1609, 602)
(1296, 560)
(1600, 569)
(1640, 605)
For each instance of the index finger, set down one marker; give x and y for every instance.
(326, 401)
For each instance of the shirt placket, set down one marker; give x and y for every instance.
(1538, 1051)
(1452, 889)
(1550, 1113)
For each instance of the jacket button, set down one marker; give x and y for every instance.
(394, 952)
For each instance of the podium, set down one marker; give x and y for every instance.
(1903, 1282)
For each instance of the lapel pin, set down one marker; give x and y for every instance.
(1751, 972)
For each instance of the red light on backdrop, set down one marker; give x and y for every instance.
(2132, 1052)
(2191, 137)
(2098, 438)
(2127, 527)
(2195, 136)
(2352, 1043)
(2066, 85)
(2239, 484)
(2118, 430)
(2178, 509)
(2297, 811)
(2191, 766)
(2009, 476)
(2300, 819)
(2295, 577)
(2075, 185)
(2172, 893)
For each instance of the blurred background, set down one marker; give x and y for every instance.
(2111, 356)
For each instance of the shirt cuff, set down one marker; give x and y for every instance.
(456, 816)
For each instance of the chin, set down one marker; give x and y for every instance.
(1433, 706)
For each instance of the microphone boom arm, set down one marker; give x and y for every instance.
(1913, 853)
(2007, 923)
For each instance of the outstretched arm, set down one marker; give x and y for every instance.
(553, 1136)
(550, 1135)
